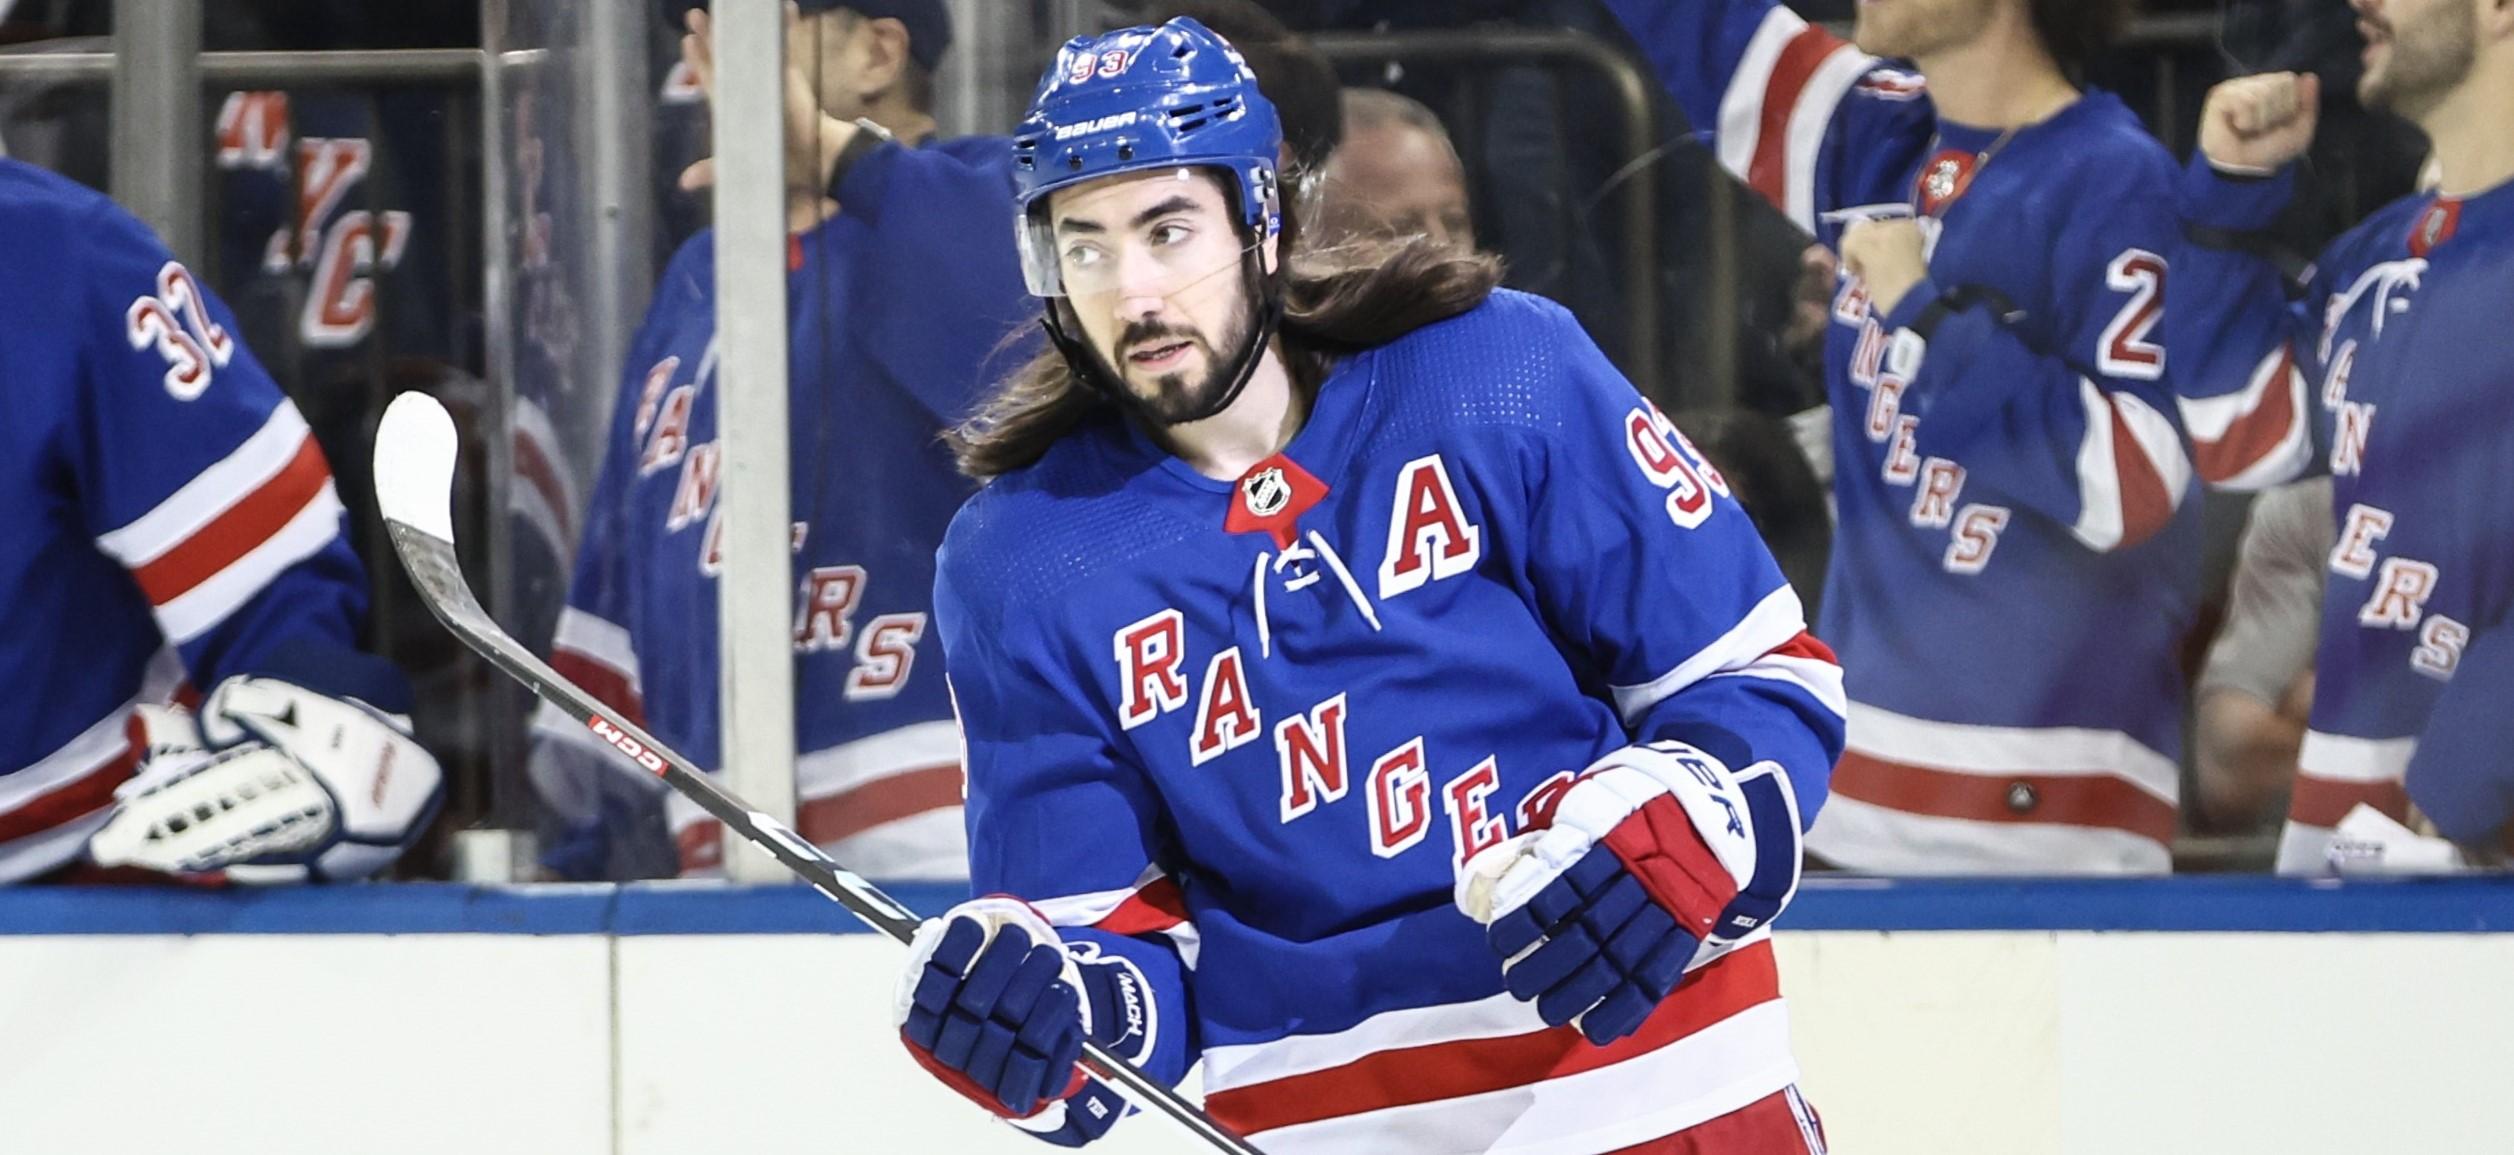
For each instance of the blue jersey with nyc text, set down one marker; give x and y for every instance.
(2015, 565)
(898, 311)
(2383, 373)
(167, 515)
(1251, 762)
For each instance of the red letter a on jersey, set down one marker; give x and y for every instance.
(1428, 536)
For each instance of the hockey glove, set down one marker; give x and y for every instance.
(285, 785)
(996, 1005)
(1655, 858)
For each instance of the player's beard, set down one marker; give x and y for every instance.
(2424, 60)
(1911, 29)
(1180, 397)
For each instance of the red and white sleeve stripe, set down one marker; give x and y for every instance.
(2255, 438)
(1778, 106)
(2132, 471)
(1771, 642)
(1153, 905)
(598, 655)
(209, 548)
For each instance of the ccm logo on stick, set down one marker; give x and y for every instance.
(620, 741)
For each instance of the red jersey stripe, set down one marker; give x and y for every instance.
(2145, 505)
(2324, 801)
(76, 798)
(1426, 1074)
(238, 531)
(1769, 174)
(1152, 910)
(2094, 800)
(608, 684)
(889, 798)
(2254, 435)
(1805, 645)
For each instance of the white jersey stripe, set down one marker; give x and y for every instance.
(2344, 759)
(1741, 107)
(2211, 418)
(1735, 1062)
(2159, 442)
(1769, 626)
(50, 850)
(2231, 418)
(603, 641)
(1880, 840)
(198, 610)
(76, 759)
(837, 769)
(211, 493)
(1089, 908)
(1242, 1065)
(2099, 485)
(2102, 516)
(2003, 751)
(1819, 678)
(1809, 119)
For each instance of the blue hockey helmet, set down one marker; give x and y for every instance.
(1143, 99)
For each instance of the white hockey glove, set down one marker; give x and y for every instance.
(287, 785)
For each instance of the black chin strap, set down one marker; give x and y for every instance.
(1095, 372)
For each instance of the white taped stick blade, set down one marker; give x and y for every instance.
(415, 449)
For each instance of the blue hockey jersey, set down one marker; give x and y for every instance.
(169, 518)
(895, 307)
(1250, 754)
(2015, 565)
(2375, 376)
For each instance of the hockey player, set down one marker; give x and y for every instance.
(897, 293)
(1367, 693)
(2379, 374)
(2014, 568)
(173, 530)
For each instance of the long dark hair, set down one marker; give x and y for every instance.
(1336, 301)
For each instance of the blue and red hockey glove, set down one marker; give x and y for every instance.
(1655, 858)
(996, 1005)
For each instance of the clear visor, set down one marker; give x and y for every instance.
(1140, 235)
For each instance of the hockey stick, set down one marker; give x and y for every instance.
(414, 479)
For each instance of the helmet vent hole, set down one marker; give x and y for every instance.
(1074, 163)
(1126, 152)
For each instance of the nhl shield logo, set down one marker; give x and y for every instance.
(1273, 495)
(1266, 492)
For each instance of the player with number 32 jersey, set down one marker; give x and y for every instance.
(171, 524)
